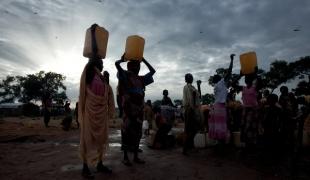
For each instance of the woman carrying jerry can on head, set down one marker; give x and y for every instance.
(132, 95)
(96, 103)
(250, 121)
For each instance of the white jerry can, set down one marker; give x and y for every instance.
(145, 125)
(150, 138)
(200, 140)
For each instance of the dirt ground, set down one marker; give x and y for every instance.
(28, 150)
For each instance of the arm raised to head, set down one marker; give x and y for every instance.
(152, 70)
(228, 74)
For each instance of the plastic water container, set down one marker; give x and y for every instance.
(200, 140)
(134, 48)
(236, 139)
(248, 62)
(145, 125)
(150, 138)
(101, 37)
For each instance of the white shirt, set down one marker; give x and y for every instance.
(220, 91)
(188, 99)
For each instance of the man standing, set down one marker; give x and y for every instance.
(191, 103)
(47, 108)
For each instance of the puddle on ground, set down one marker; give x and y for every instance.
(110, 144)
(115, 134)
(114, 144)
(77, 144)
(74, 144)
(71, 167)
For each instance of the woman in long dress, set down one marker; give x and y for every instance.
(96, 107)
(218, 115)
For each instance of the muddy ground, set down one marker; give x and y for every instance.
(28, 150)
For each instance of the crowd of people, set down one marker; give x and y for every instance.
(262, 119)
(266, 119)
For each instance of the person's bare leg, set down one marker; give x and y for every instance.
(102, 168)
(86, 172)
(136, 159)
(126, 160)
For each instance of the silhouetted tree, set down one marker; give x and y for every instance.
(178, 102)
(303, 88)
(208, 99)
(32, 87)
(35, 85)
(278, 74)
(301, 66)
(9, 89)
(281, 72)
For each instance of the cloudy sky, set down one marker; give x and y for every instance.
(195, 36)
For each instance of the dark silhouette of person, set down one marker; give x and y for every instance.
(133, 87)
(47, 108)
(76, 113)
(166, 100)
(106, 77)
(191, 102)
(66, 123)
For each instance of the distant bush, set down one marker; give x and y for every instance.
(31, 109)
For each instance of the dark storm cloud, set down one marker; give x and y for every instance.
(181, 36)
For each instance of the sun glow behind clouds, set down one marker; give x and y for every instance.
(69, 62)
